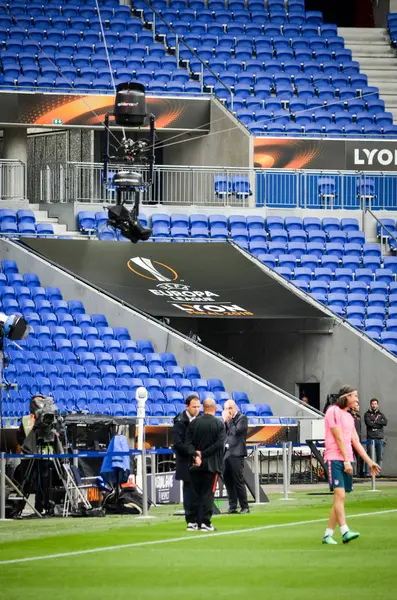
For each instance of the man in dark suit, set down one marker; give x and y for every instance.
(183, 458)
(236, 425)
(206, 440)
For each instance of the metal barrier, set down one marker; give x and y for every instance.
(226, 187)
(294, 460)
(12, 180)
(150, 464)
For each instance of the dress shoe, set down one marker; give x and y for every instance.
(244, 511)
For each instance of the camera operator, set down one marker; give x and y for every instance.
(39, 433)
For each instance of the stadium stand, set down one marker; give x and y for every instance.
(327, 258)
(23, 222)
(289, 73)
(87, 365)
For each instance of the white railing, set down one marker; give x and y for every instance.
(84, 182)
(226, 186)
(12, 180)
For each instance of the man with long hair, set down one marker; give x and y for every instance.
(340, 439)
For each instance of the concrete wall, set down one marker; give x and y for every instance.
(381, 8)
(228, 144)
(56, 147)
(163, 338)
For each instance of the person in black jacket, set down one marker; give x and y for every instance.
(375, 421)
(236, 425)
(183, 458)
(355, 412)
(206, 440)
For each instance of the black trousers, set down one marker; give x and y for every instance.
(202, 502)
(188, 495)
(234, 481)
(43, 484)
(360, 465)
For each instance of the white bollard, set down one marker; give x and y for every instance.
(144, 514)
(256, 474)
(285, 472)
(153, 478)
(373, 477)
(141, 396)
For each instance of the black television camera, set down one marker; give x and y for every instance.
(48, 427)
(130, 111)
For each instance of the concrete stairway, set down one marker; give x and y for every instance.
(371, 48)
(59, 228)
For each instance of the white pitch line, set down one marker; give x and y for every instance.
(194, 536)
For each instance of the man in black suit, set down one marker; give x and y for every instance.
(183, 458)
(236, 425)
(206, 440)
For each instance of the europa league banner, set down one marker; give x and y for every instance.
(338, 154)
(178, 279)
(72, 110)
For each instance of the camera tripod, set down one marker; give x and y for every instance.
(64, 472)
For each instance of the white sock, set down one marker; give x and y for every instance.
(344, 529)
(329, 531)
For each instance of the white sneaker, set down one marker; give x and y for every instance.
(192, 527)
(205, 527)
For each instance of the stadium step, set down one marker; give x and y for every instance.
(364, 34)
(371, 48)
(378, 49)
(59, 228)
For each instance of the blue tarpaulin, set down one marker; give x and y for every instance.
(116, 469)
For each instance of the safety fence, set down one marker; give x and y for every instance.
(12, 180)
(225, 187)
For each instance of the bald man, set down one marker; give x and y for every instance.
(236, 425)
(205, 440)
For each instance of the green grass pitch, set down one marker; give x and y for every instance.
(239, 561)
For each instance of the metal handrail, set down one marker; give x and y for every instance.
(194, 53)
(382, 226)
(240, 169)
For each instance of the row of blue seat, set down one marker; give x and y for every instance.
(31, 229)
(224, 183)
(226, 18)
(235, 41)
(40, 49)
(108, 380)
(271, 5)
(314, 255)
(332, 274)
(320, 117)
(164, 413)
(35, 17)
(354, 287)
(67, 363)
(298, 106)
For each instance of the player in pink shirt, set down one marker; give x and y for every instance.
(340, 439)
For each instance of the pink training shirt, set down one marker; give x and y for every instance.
(335, 417)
